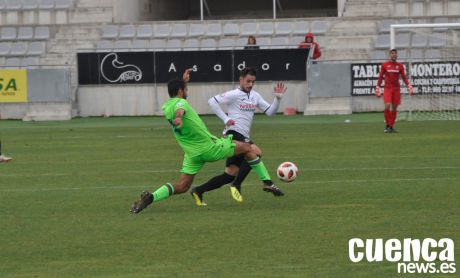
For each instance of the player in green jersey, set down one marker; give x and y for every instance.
(199, 146)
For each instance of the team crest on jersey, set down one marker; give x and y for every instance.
(179, 104)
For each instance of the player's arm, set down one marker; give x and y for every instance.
(379, 80)
(406, 81)
(215, 106)
(186, 75)
(271, 109)
(178, 117)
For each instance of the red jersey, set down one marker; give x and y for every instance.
(391, 70)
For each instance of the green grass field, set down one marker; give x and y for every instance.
(65, 199)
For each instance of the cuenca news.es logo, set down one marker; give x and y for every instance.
(411, 255)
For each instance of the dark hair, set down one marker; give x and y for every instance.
(174, 86)
(248, 70)
(252, 37)
(393, 49)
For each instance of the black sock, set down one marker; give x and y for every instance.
(268, 182)
(215, 183)
(242, 174)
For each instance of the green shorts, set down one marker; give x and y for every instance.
(221, 149)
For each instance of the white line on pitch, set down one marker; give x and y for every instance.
(246, 184)
(212, 170)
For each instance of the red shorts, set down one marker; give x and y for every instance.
(392, 95)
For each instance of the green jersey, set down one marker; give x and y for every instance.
(193, 137)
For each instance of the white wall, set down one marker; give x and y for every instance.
(142, 100)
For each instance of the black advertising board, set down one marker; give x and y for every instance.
(275, 64)
(88, 68)
(364, 78)
(116, 68)
(425, 77)
(208, 66)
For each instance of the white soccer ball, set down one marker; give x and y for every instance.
(287, 171)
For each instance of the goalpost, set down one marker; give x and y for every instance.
(433, 60)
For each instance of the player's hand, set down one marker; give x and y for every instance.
(186, 75)
(230, 122)
(178, 122)
(411, 89)
(279, 90)
(377, 91)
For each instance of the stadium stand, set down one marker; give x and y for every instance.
(179, 30)
(279, 42)
(161, 30)
(283, 28)
(197, 30)
(226, 43)
(174, 45)
(144, 31)
(191, 44)
(208, 44)
(25, 33)
(41, 33)
(266, 29)
(127, 31)
(301, 27)
(248, 28)
(278, 33)
(419, 40)
(214, 30)
(139, 45)
(157, 44)
(231, 29)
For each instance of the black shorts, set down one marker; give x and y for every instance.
(237, 160)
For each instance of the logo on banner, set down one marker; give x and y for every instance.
(114, 71)
(13, 85)
(411, 255)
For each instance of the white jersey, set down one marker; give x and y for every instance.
(240, 108)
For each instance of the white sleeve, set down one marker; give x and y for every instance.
(225, 98)
(273, 107)
(268, 109)
(218, 110)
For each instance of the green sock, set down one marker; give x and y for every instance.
(163, 192)
(260, 169)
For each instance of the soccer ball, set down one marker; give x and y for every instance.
(287, 171)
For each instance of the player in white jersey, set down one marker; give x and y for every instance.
(241, 105)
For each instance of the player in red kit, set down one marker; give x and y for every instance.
(392, 93)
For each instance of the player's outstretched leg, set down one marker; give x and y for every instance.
(198, 197)
(144, 201)
(213, 183)
(162, 193)
(258, 166)
(262, 172)
(235, 187)
(147, 198)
